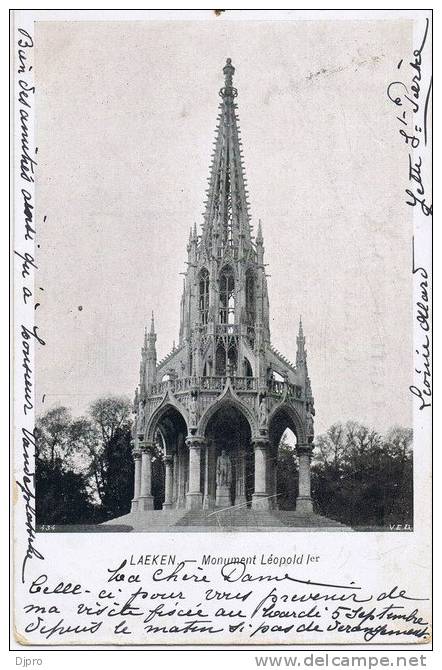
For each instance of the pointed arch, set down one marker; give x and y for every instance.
(167, 408)
(203, 296)
(248, 370)
(283, 416)
(232, 359)
(227, 400)
(220, 360)
(250, 296)
(227, 295)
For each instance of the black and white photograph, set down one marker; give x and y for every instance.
(227, 330)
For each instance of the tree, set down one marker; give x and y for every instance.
(84, 469)
(62, 492)
(85, 440)
(109, 414)
(331, 447)
(399, 443)
(109, 450)
(62, 496)
(399, 446)
(287, 482)
(361, 478)
(52, 435)
(118, 471)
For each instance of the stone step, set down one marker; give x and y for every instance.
(149, 520)
(245, 517)
(291, 518)
(235, 519)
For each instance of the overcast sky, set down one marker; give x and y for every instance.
(126, 114)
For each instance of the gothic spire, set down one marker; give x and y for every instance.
(226, 217)
(152, 337)
(259, 237)
(301, 353)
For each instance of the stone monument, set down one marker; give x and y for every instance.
(219, 402)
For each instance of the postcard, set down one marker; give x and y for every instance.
(222, 365)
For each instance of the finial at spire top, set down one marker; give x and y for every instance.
(301, 332)
(228, 91)
(152, 324)
(229, 71)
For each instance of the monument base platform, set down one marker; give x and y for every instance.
(231, 519)
(223, 497)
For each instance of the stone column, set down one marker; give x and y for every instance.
(175, 479)
(145, 501)
(181, 494)
(240, 491)
(168, 483)
(260, 498)
(212, 473)
(182, 480)
(206, 478)
(275, 482)
(137, 480)
(304, 503)
(194, 498)
(272, 470)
